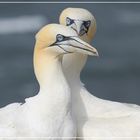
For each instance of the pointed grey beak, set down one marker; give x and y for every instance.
(78, 26)
(82, 47)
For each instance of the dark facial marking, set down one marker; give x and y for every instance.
(69, 21)
(84, 27)
(87, 23)
(60, 38)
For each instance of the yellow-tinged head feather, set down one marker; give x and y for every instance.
(79, 14)
(47, 35)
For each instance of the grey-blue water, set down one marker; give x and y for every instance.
(115, 75)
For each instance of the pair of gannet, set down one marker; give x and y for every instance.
(48, 115)
(52, 113)
(95, 117)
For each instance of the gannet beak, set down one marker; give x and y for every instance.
(82, 47)
(78, 26)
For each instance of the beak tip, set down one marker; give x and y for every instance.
(95, 53)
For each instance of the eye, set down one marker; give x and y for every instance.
(87, 23)
(69, 21)
(59, 37)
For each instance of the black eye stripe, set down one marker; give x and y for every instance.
(86, 23)
(60, 38)
(64, 39)
(69, 21)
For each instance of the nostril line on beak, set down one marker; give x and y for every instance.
(75, 30)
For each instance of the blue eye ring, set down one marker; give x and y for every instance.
(59, 37)
(69, 21)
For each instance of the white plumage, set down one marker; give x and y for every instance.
(48, 114)
(95, 117)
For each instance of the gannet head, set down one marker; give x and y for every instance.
(81, 20)
(61, 39)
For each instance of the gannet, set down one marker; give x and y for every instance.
(48, 114)
(94, 116)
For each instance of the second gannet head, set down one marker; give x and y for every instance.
(80, 20)
(60, 39)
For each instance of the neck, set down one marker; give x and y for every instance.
(73, 65)
(48, 70)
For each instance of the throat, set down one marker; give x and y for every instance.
(48, 71)
(73, 65)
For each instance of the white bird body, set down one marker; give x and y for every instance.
(48, 115)
(96, 118)
(126, 127)
(35, 118)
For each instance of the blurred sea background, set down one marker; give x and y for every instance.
(115, 75)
